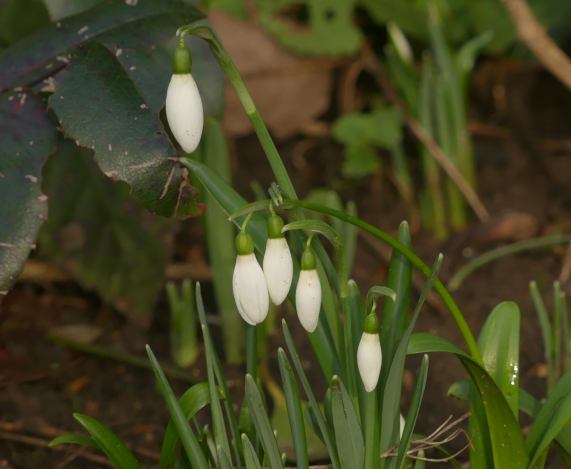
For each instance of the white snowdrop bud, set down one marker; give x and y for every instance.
(278, 265)
(369, 356)
(249, 283)
(308, 292)
(183, 103)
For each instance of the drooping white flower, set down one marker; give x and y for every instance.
(249, 283)
(308, 293)
(183, 103)
(369, 356)
(278, 264)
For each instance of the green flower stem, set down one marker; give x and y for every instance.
(251, 352)
(412, 257)
(372, 430)
(207, 33)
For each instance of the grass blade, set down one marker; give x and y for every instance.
(250, 457)
(71, 438)
(220, 241)
(214, 362)
(108, 442)
(551, 419)
(294, 410)
(413, 411)
(395, 313)
(348, 433)
(324, 430)
(188, 439)
(390, 407)
(195, 398)
(543, 319)
(262, 424)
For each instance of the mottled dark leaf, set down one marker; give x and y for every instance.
(27, 137)
(100, 107)
(35, 52)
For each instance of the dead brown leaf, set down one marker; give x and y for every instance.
(290, 92)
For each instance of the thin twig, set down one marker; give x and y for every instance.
(41, 443)
(424, 137)
(534, 36)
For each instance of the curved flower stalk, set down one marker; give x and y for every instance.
(249, 283)
(278, 264)
(308, 292)
(369, 355)
(183, 104)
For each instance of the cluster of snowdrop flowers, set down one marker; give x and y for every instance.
(183, 104)
(254, 286)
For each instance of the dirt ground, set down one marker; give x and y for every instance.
(524, 170)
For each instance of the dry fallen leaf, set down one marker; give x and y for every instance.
(289, 91)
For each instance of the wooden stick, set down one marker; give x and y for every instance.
(534, 36)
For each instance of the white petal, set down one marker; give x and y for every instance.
(308, 299)
(278, 269)
(401, 424)
(184, 111)
(250, 291)
(369, 360)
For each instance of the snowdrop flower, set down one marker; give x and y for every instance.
(248, 282)
(369, 356)
(308, 292)
(183, 103)
(278, 265)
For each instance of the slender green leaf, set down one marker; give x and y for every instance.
(390, 407)
(71, 438)
(250, 456)
(413, 412)
(214, 362)
(220, 435)
(395, 313)
(554, 415)
(195, 398)
(220, 240)
(261, 421)
(322, 429)
(108, 442)
(348, 433)
(187, 437)
(294, 410)
(543, 319)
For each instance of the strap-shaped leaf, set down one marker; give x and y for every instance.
(508, 448)
(108, 442)
(499, 346)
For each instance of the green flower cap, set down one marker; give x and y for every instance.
(181, 61)
(275, 225)
(244, 243)
(308, 259)
(371, 325)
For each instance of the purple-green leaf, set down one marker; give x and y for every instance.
(27, 137)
